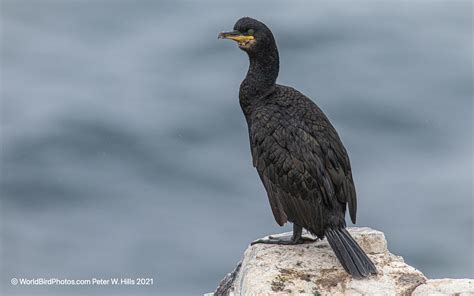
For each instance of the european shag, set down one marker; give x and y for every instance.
(298, 154)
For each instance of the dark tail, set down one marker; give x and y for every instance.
(350, 254)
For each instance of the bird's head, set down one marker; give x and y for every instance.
(252, 36)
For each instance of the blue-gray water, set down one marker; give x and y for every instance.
(124, 151)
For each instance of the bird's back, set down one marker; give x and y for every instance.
(301, 160)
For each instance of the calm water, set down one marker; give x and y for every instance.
(124, 152)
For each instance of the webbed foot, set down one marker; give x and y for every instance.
(294, 239)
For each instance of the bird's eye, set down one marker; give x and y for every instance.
(250, 31)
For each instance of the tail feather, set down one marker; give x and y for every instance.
(350, 254)
(342, 253)
(365, 260)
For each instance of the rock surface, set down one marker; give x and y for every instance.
(458, 287)
(313, 269)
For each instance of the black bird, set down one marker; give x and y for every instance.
(299, 157)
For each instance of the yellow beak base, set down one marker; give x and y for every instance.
(240, 38)
(236, 36)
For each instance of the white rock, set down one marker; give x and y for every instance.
(458, 287)
(313, 269)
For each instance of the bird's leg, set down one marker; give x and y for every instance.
(295, 239)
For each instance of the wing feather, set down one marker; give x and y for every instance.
(303, 165)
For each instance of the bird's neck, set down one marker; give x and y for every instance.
(261, 77)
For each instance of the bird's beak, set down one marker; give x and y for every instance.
(236, 36)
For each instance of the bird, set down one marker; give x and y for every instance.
(299, 156)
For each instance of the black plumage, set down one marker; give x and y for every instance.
(298, 154)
